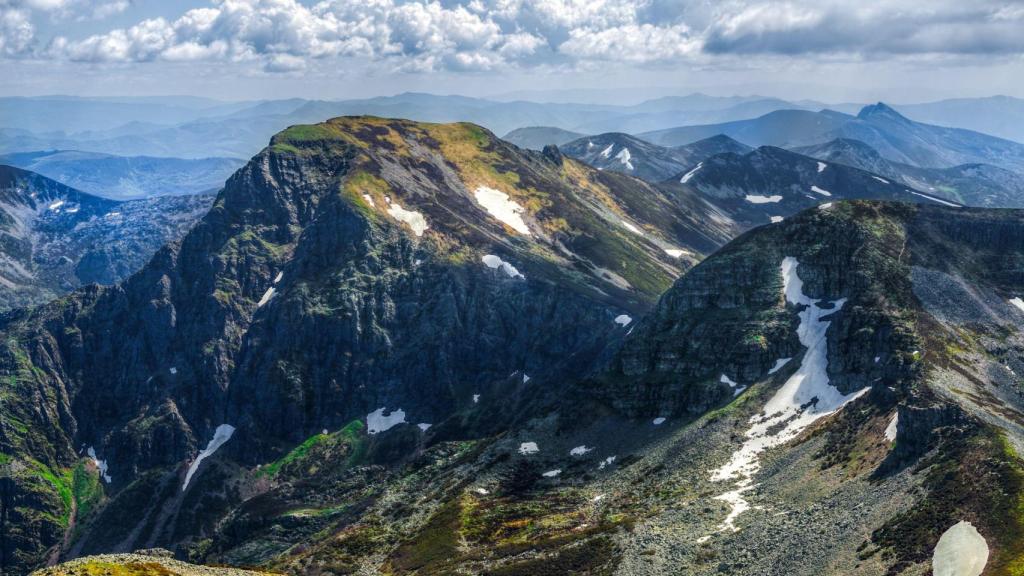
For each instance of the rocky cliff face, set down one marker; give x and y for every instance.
(358, 267)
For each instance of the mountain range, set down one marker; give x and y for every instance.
(196, 128)
(408, 348)
(630, 155)
(973, 184)
(894, 136)
(124, 178)
(54, 238)
(537, 137)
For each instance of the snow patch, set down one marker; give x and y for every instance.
(1016, 301)
(55, 205)
(424, 426)
(476, 398)
(607, 151)
(882, 180)
(805, 397)
(961, 551)
(579, 450)
(659, 421)
(369, 200)
(820, 191)
(934, 199)
(173, 370)
(101, 465)
(624, 157)
(266, 297)
(278, 277)
(825, 206)
(552, 473)
(606, 462)
(481, 491)
(221, 435)
(821, 167)
(630, 227)
(675, 252)
(414, 219)
(726, 380)
(528, 448)
(778, 365)
(525, 378)
(758, 199)
(623, 320)
(499, 205)
(495, 262)
(890, 430)
(776, 219)
(686, 177)
(377, 422)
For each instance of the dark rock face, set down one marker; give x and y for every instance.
(918, 429)
(728, 317)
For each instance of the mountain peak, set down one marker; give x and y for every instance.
(880, 110)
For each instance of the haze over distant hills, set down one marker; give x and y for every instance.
(124, 178)
(199, 128)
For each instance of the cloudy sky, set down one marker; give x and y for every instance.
(898, 50)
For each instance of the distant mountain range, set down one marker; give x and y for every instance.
(972, 184)
(124, 178)
(969, 184)
(768, 184)
(537, 137)
(894, 136)
(1000, 116)
(54, 238)
(197, 128)
(630, 155)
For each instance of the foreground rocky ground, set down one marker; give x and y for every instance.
(138, 564)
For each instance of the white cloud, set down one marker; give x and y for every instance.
(16, 30)
(460, 35)
(633, 43)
